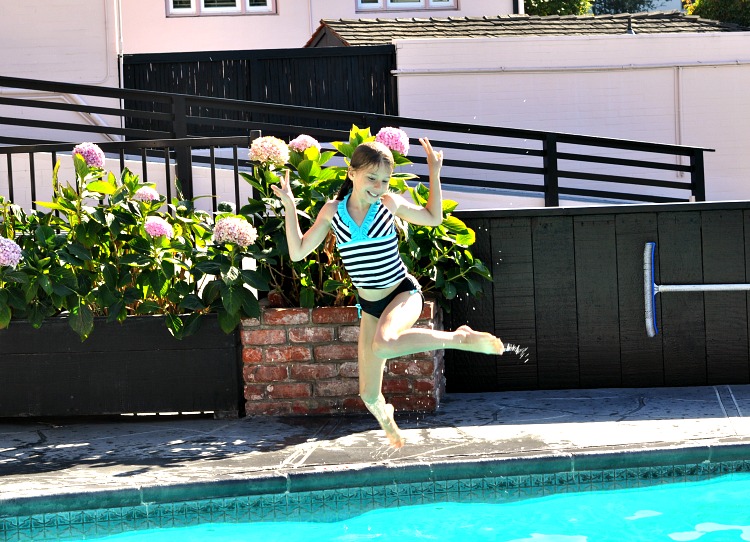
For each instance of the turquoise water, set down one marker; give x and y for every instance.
(715, 510)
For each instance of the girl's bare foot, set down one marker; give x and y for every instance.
(479, 341)
(391, 429)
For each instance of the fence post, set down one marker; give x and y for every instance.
(551, 181)
(183, 158)
(697, 175)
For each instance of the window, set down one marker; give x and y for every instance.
(219, 7)
(383, 5)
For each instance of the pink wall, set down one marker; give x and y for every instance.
(147, 29)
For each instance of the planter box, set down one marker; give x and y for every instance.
(304, 361)
(133, 367)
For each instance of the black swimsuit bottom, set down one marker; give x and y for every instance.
(376, 308)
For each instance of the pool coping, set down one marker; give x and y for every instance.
(316, 479)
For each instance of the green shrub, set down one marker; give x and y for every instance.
(726, 11)
(556, 7)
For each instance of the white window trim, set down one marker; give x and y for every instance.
(241, 7)
(389, 5)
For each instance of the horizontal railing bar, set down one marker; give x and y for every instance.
(621, 162)
(88, 90)
(89, 128)
(78, 108)
(494, 167)
(483, 148)
(601, 194)
(620, 179)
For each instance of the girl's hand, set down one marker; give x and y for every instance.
(284, 192)
(434, 158)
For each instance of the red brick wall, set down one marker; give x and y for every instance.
(304, 361)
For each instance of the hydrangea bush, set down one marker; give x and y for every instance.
(440, 258)
(114, 247)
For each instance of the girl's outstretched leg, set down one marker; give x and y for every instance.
(396, 337)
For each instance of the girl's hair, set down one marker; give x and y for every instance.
(366, 155)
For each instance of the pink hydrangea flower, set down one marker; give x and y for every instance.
(394, 138)
(269, 150)
(91, 153)
(146, 193)
(10, 253)
(235, 230)
(156, 226)
(303, 142)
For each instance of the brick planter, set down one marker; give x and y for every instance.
(304, 361)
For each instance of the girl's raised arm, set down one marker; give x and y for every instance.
(432, 213)
(300, 245)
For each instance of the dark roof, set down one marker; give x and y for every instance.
(345, 32)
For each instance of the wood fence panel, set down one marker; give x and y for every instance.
(515, 318)
(641, 355)
(682, 313)
(726, 312)
(597, 301)
(555, 300)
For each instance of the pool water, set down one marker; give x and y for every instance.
(714, 510)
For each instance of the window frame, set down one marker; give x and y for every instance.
(392, 5)
(241, 7)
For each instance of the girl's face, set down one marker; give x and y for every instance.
(370, 182)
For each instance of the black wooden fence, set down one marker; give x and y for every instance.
(568, 285)
(348, 78)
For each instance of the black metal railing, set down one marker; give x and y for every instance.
(516, 161)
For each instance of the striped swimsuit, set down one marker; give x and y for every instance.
(370, 251)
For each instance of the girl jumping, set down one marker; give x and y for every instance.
(390, 299)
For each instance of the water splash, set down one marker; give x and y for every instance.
(522, 353)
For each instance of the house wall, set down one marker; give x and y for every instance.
(57, 41)
(147, 29)
(676, 89)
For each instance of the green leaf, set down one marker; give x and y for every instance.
(192, 324)
(231, 275)
(466, 239)
(332, 285)
(250, 305)
(81, 319)
(449, 206)
(101, 187)
(231, 298)
(209, 267)
(307, 169)
(148, 307)
(174, 325)
(255, 280)
(80, 252)
(192, 303)
(228, 322)
(5, 315)
(449, 291)
(307, 298)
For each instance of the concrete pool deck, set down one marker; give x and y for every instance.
(41, 459)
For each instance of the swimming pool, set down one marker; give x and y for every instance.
(679, 512)
(337, 503)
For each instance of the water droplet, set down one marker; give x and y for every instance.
(522, 353)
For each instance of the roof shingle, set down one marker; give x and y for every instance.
(383, 31)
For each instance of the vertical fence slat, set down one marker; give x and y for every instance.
(512, 266)
(597, 301)
(682, 313)
(726, 312)
(555, 295)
